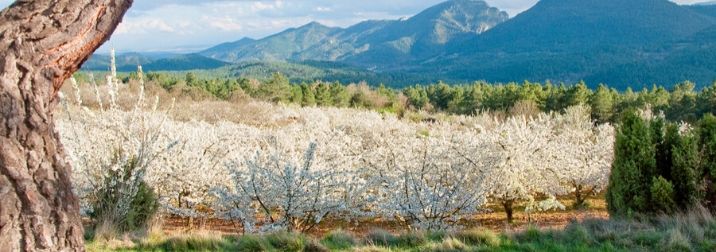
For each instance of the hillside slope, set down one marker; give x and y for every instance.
(570, 40)
(370, 42)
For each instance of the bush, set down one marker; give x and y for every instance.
(437, 235)
(284, 241)
(411, 239)
(578, 234)
(381, 237)
(662, 193)
(124, 201)
(634, 166)
(339, 240)
(313, 246)
(684, 176)
(677, 242)
(478, 237)
(250, 243)
(194, 244)
(448, 245)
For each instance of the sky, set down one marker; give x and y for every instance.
(192, 25)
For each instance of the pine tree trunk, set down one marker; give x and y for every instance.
(42, 43)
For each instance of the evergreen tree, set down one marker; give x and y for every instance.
(664, 137)
(578, 95)
(633, 168)
(707, 145)
(277, 89)
(191, 79)
(296, 95)
(341, 97)
(323, 95)
(685, 158)
(602, 103)
(662, 193)
(309, 97)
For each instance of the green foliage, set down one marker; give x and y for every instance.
(286, 241)
(664, 137)
(684, 172)
(411, 239)
(682, 103)
(383, 238)
(250, 243)
(314, 246)
(707, 144)
(118, 188)
(602, 103)
(196, 244)
(633, 168)
(339, 240)
(662, 195)
(277, 89)
(690, 231)
(478, 237)
(681, 178)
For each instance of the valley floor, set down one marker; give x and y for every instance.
(574, 230)
(695, 231)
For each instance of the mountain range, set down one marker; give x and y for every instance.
(633, 43)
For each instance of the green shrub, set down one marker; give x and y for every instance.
(677, 242)
(634, 166)
(436, 235)
(685, 162)
(478, 237)
(448, 245)
(411, 239)
(578, 234)
(381, 237)
(647, 238)
(250, 243)
(123, 200)
(285, 241)
(339, 240)
(195, 244)
(314, 246)
(662, 193)
(532, 234)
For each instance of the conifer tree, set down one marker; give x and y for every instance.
(633, 169)
(707, 146)
(685, 160)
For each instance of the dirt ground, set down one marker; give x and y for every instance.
(494, 219)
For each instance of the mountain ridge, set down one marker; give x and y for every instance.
(633, 43)
(368, 41)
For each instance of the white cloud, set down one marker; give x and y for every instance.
(323, 9)
(144, 25)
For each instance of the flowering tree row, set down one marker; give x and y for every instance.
(338, 163)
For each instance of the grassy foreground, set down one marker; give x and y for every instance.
(695, 231)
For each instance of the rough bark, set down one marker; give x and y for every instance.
(42, 43)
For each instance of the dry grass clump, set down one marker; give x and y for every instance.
(478, 237)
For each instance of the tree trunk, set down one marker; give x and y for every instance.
(578, 197)
(507, 205)
(42, 43)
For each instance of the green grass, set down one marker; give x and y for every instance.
(695, 231)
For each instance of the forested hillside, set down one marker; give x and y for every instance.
(622, 44)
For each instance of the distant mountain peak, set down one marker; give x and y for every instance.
(369, 40)
(314, 24)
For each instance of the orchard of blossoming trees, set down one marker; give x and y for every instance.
(331, 163)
